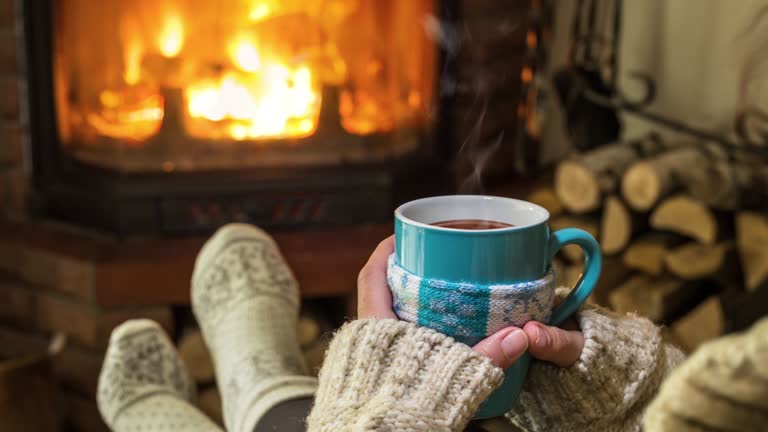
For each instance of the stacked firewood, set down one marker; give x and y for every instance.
(683, 226)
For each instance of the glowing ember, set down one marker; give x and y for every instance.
(133, 114)
(171, 37)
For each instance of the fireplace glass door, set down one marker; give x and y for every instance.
(202, 85)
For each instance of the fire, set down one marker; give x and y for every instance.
(259, 12)
(264, 99)
(275, 102)
(132, 57)
(171, 37)
(245, 55)
(257, 70)
(134, 114)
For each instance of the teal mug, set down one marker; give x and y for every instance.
(441, 238)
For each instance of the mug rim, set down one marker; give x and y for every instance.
(399, 214)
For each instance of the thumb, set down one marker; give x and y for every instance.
(503, 347)
(553, 344)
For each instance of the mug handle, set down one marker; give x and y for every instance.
(593, 263)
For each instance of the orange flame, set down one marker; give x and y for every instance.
(171, 37)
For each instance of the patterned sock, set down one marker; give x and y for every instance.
(143, 385)
(246, 301)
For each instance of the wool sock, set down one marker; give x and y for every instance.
(246, 302)
(143, 385)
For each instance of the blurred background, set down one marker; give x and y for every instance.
(130, 131)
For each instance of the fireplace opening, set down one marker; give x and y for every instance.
(180, 115)
(196, 85)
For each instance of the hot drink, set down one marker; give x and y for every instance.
(471, 224)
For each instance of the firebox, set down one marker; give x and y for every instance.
(171, 116)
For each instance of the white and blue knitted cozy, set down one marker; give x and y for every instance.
(465, 311)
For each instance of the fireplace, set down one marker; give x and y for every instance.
(180, 115)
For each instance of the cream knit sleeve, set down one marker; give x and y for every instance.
(389, 375)
(722, 387)
(620, 370)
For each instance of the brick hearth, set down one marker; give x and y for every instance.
(60, 279)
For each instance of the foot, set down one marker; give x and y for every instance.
(143, 384)
(246, 301)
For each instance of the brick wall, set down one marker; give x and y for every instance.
(13, 126)
(47, 288)
(44, 291)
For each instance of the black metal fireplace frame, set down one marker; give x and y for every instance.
(287, 197)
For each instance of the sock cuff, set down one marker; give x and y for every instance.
(271, 393)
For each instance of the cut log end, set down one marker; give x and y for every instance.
(641, 186)
(685, 216)
(193, 350)
(647, 253)
(547, 198)
(652, 297)
(616, 227)
(703, 323)
(752, 241)
(695, 260)
(576, 187)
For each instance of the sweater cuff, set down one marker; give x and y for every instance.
(394, 375)
(620, 369)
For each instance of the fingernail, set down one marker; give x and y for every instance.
(514, 344)
(541, 338)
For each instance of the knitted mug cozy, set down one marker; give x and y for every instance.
(468, 312)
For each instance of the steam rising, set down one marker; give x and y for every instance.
(474, 148)
(443, 34)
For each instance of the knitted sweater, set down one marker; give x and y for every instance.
(388, 375)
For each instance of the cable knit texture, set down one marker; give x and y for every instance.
(620, 369)
(388, 375)
(722, 387)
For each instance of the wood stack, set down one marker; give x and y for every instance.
(683, 226)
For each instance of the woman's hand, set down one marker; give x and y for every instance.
(561, 346)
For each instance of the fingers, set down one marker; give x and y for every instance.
(503, 347)
(374, 300)
(553, 344)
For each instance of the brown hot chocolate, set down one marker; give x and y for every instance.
(471, 224)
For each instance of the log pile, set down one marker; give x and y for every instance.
(683, 226)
